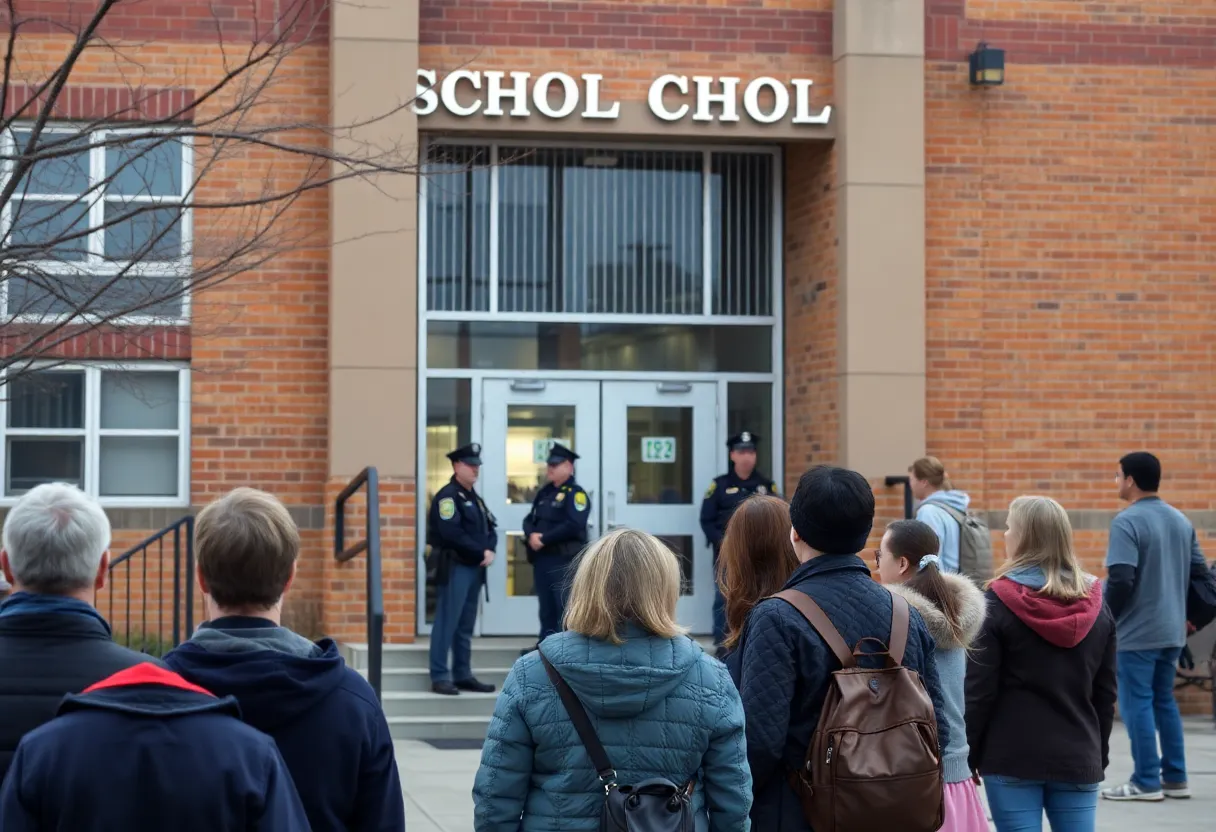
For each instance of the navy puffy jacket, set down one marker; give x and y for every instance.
(782, 668)
(146, 750)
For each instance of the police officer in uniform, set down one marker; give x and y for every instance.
(722, 497)
(556, 531)
(461, 533)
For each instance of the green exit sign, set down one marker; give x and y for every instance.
(658, 449)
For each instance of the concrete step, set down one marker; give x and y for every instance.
(487, 652)
(438, 728)
(418, 679)
(480, 705)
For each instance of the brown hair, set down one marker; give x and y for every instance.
(625, 576)
(914, 540)
(756, 560)
(931, 470)
(247, 547)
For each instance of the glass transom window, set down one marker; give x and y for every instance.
(599, 231)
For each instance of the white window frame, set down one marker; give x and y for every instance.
(92, 431)
(96, 197)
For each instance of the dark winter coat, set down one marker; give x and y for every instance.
(45, 655)
(782, 668)
(1041, 686)
(147, 750)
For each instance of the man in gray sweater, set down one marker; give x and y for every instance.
(1152, 553)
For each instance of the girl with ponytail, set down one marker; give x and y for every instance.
(953, 609)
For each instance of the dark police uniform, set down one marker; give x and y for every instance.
(459, 530)
(560, 514)
(722, 497)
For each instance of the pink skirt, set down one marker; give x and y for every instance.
(964, 811)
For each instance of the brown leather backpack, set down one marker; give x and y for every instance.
(874, 761)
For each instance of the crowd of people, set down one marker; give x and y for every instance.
(1018, 676)
(245, 726)
(839, 703)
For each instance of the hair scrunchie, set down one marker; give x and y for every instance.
(929, 559)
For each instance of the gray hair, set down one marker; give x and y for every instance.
(55, 536)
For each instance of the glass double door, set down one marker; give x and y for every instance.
(647, 451)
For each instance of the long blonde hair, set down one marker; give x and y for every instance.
(625, 576)
(1044, 539)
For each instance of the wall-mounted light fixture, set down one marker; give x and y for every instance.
(987, 66)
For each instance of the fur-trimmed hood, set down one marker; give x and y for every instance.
(972, 609)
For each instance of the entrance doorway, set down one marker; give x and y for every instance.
(647, 450)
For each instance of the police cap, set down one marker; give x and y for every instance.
(560, 453)
(469, 454)
(743, 441)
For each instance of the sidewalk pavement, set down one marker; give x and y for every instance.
(438, 787)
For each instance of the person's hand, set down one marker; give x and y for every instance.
(975, 778)
(488, 557)
(534, 541)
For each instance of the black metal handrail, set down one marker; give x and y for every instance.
(906, 482)
(370, 544)
(181, 535)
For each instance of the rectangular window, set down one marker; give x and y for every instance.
(599, 231)
(99, 224)
(118, 433)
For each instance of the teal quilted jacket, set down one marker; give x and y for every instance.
(661, 707)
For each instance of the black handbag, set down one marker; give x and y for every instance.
(1201, 598)
(654, 805)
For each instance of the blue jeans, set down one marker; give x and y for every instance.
(1148, 708)
(452, 631)
(550, 574)
(1018, 805)
(719, 603)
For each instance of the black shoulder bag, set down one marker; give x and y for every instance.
(655, 805)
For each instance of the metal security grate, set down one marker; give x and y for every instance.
(603, 231)
(458, 229)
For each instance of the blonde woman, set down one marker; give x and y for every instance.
(1041, 679)
(660, 706)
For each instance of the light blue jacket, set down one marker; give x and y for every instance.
(661, 708)
(947, 527)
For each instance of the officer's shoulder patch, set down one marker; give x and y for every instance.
(772, 486)
(713, 486)
(447, 508)
(580, 500)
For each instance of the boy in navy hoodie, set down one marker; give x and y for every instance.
(145, 749)
(323, 715)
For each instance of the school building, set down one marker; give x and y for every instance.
(646, 226)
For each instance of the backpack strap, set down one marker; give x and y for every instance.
(901, 619)
(578, 716)
(823, 625)
(958, 516)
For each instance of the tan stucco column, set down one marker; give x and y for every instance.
(374, 264)
(879, 48)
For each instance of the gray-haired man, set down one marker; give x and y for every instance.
(52, 640)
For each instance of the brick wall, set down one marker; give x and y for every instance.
(258, 346)
(1070, 245)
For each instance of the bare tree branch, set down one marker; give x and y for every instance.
(101, 234)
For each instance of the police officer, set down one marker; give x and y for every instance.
(461, 533)
(556, 531)
(722, 498)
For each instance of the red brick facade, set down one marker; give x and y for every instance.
(1069, 239)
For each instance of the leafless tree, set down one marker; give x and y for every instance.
(116, 223)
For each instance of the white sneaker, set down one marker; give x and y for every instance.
(1130, 791)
